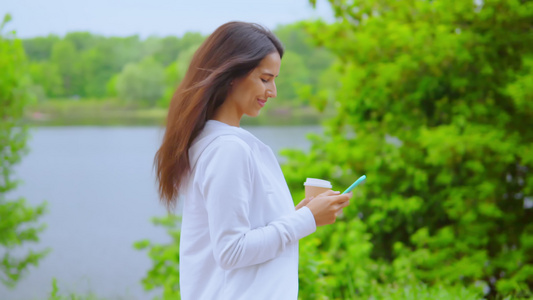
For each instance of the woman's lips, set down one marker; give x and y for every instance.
(261, 102)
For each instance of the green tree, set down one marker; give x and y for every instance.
(143, 81)
(111, 86)
(123, 50)
(293, 75)
(151, 46)
(190, 40)
(434, 106)
(17, 218)
(96, 70)
(174, 74)
(85, 62)
(295, 38)
(40, 48)
(172, 80)
(303, 66)
(82, 40)
(103, 59)
(48, 77)
(66, 58)
(168, 51)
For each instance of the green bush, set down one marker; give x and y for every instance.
(55, 295)
(435, 108)
(165, 258)
(17, 218)
(434, 105)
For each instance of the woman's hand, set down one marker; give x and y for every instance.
(327, 206)
(303, 203)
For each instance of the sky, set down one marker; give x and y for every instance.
(151, 17)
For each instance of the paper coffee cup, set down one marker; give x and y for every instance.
(314, 187)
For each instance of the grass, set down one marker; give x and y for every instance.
(108, 112)
(113, 112)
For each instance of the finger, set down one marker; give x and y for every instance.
(329, 193)
(341, 206)
(304, 202)
(301, 204)
(341, 198)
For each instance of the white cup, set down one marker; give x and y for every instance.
(314, 187)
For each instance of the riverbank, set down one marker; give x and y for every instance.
(112, 112)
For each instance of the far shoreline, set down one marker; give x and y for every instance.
(112, 113)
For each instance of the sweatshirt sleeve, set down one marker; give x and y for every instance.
(227, 189)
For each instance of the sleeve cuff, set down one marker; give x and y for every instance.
(304, 223)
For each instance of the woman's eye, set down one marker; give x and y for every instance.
(264, 80)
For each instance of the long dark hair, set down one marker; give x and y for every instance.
(231, 52)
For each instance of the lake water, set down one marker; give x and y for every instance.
(101, 194)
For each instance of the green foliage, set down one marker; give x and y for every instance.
(82, 41)
(48, 76)
(190, 40)
(55, 295)
(96, 69)
(40, 48)
(294, 74)
(17, 219)
(302, 67)
(167, 49)
(141, 82)
(83, 66)
(434, 106)
(165, 270)
(175, 72)
(65, 57)
(172, 80)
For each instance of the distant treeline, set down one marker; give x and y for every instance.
(83, 65)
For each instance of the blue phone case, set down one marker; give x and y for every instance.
(356, 183)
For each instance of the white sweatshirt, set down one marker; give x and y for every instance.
(240, 231)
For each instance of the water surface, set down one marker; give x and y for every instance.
(99, 185)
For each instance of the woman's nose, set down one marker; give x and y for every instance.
(271, 93)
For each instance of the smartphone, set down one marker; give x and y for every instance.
(356, 183)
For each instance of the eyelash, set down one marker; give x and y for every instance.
(263, 80)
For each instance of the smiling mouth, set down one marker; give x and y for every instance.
(261, 102)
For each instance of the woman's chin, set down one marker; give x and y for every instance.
(254, 114)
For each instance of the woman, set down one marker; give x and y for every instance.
(240, 230)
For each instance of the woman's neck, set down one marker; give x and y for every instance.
(227, 115)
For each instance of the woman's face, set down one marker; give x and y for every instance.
(249, 94)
